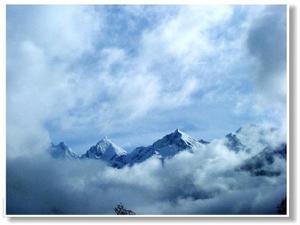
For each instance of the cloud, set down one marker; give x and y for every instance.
(262, 45)
(43, 42)
(267, 44)
(130, 72)
(81, 72)
(45, 86)
(183, 37)
(64, 32)
(205, 182)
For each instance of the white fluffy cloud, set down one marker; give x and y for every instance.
(43, 42)
(63, 32)
(69, 69)
(71, 72)
(203, 182)
(185, 36)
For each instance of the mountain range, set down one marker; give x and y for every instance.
(114, 155)
(252, 140)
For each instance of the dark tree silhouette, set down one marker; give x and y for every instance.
(120, 210)
(281, 209)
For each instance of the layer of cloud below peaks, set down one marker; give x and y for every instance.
(205, 182)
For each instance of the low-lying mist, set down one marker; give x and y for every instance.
(203, 182)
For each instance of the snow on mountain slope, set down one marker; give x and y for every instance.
(62, 151)
(107, 151)
(255, 142)
(252, 139)
(165, 147)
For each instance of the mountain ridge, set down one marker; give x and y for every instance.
(168, 146)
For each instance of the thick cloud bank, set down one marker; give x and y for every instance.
(213, 179)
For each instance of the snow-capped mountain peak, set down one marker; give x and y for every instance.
(249, 139)
(177, 139)
(106, 146)
(166, 147)
(107, 151)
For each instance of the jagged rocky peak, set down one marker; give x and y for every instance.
(234, 143)
(166, 147)
(62, 151)
(238, 141)
(104, 149)
(176, 138)
(252, 138)
(108, 151)
(106, 144)
(173, 143)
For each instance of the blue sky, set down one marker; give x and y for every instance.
(135, 73)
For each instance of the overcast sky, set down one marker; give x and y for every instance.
(135, 73)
